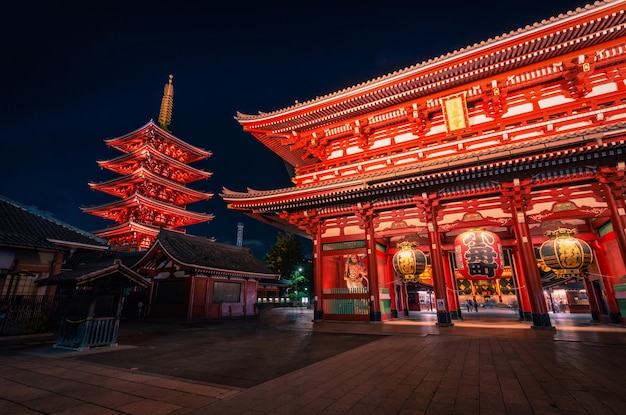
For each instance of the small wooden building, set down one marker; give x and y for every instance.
(93, 303)
(196, 278)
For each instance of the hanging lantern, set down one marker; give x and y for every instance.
(409, 261)
(478, 255)
(564, 254)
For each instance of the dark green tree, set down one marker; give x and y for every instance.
(285, 255)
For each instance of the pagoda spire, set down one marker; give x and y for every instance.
(165, 115)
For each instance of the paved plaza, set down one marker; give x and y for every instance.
(283, 363)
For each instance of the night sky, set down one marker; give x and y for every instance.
(78, 73)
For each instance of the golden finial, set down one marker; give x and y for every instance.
(165, 115)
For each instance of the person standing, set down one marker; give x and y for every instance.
(469, 305)
(475, 305)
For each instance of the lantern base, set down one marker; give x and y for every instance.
(542, 322)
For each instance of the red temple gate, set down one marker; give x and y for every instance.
(518, 136)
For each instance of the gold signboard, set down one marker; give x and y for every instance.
(455, 114)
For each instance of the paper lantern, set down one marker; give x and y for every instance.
(564, 254)
(478, 255)
(409, 262)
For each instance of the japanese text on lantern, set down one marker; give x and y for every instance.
(478, 254)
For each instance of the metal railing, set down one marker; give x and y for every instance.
(86, 333)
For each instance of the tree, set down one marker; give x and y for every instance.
(287, 258)
(285, 255)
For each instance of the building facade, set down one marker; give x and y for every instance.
(519, 137)
(197, 278)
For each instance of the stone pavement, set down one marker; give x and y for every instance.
(489, 363)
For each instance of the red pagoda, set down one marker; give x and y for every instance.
(152, 189)
(487, 160)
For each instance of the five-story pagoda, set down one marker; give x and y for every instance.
(152, 190)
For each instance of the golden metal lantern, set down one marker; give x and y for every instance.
(409, 262)
(564, 254)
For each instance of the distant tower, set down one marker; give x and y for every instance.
(239, 234)
(153, 188)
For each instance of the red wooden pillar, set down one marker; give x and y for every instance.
(451, 289)
(430, 204)
(603, 289)
(316, 231)
(522, 289)
(517, 194)
(372, 262)
(310, 222)
(592, 295)
(611, 183)
(365, 214)
(395, 289)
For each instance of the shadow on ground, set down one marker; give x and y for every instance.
(237, 353)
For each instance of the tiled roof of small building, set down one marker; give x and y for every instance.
(28, 227)
(202, 252)
(101, 259)
(88, 273)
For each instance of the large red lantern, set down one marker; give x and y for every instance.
(564, 254)
(409, 261)
(478, 255)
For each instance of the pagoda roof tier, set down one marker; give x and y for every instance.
(127, 228)
(130, 235)
(149, 211)
(550, 48)
(153, 185)
(162, 141)
(146, 156)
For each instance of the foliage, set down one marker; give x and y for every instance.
(285, 255)
(287, 258)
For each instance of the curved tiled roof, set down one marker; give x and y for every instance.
(203, 253)
(28, 227)
(88, 274)
(457, 54)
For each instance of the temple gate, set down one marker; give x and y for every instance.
(518, 136)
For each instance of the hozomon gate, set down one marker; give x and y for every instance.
(520, 136)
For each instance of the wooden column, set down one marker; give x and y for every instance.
(311, 223)
(366, 216)
(517, 192)
(593, 297)
(318, 311)
(603, 289)
(451, 289)
(430, 203)
(611, 184)
(522, 289)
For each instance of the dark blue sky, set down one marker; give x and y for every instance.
(78, 73)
